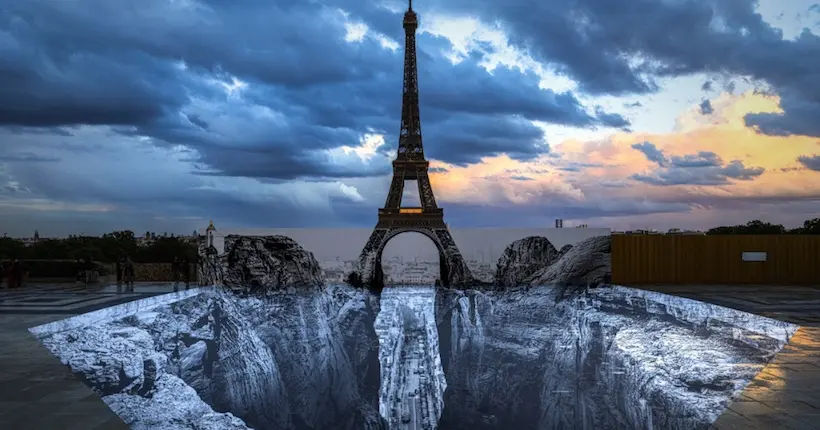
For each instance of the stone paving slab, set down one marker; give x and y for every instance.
(784, 395)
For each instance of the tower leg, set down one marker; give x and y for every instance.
(396, 190)
(458, 273)
(426, 196)
(368, 257)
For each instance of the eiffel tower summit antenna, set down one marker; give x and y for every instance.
(411, 164)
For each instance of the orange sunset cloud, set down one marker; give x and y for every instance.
(613, 161)
(611, 167)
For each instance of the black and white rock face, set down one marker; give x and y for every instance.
(535, 261)
(522, 258)
(260, 263)
(588, 262)
(306, 360)
(611, 358)
(607, 358)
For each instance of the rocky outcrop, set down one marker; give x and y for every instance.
(535, 261)
(610, 358)
(210, 267)
(522, 259)
(217, 360)
(261, 264)
(588, 263)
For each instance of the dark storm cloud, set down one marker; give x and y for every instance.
(799, 116)
(810, 162)
(706, 107)
(703, 168)
(26, 157)
(161, 70)
(651, 152)
(701, 159)
(464, 139)
(622, 47)
(707, 86)
(712, 175)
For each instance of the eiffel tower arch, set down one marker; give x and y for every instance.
(411, 164)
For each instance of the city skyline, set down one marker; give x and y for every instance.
(711, 122)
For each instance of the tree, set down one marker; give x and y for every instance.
(165, 249)
(811, 226)
(751, 227)
(11, 248)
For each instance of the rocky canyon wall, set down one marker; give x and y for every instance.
(299, 360)
(605, 358)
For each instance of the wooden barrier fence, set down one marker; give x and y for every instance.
(711, 260)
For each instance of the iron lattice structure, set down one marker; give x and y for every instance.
(411, 164)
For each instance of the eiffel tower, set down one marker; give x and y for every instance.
(410, 164)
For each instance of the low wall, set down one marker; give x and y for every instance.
(157, 272)
(65, 271)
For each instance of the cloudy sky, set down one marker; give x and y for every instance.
(162, 114)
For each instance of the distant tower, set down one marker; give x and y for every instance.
(210, 232)
(559, 223)
(36, 235)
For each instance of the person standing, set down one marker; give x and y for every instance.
(128, 272)
(175, 273)
(16, 274)
(10, 274)
(118, 268)
(78, 266)
(88, 267)
(186, 272)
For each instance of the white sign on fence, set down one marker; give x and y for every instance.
(753, 256)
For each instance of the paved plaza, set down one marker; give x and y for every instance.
(785, 394)
(38, 392)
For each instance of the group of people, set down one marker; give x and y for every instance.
(181, 271)
(125, 273)
(15, 273)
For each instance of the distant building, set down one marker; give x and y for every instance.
(210, 232)
(213, 238)
(28, 241)
(559, 223)
(641, 232)
(582, 226)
